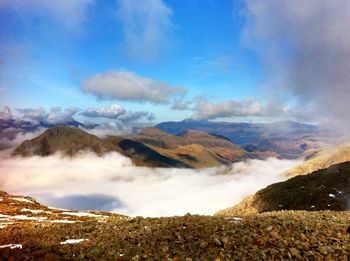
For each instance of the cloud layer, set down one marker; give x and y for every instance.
(135, 190)
(305, 48)
(127, 86)
(147, 27)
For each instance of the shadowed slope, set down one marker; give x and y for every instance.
(327, 189)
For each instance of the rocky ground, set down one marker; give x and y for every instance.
(30, 231)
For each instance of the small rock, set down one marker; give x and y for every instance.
(203, 244)
(322, 250)
(294, 252)
(269, 228)
(216, 241)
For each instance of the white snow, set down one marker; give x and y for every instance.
(332, 195)
(23, 200)
(83, 214)
(3, 225)
(22, 217)
(62, 221)
(12, 246)
(58, 208)
(73, 241)
(35, 211)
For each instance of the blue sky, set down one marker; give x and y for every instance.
(175, 59)
(46, 57)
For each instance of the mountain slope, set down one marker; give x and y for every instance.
(327, 189)
(281, 139)
(67, 140)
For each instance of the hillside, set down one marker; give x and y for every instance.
(151, 148)
(286, 140)
(327, 189)
(67, 140)
(30, 231)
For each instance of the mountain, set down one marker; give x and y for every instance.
(281, 139)
(326, 189)
(65, 139)
(152, 147)
(11, 128)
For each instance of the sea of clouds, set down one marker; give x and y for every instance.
(113, 183)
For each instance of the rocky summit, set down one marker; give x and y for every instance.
(327, 189)
(30, 231)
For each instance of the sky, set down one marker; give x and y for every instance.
(162, 60)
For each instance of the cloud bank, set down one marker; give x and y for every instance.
(205, 109)
(147, 27)
(305, 49)
(127, 86)
(119, 186)
(117, 112)
(55, 116)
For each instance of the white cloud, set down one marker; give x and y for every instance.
(127, 86)
(137, 190)
(55, 116)
(205, 109)
(147, 27)
(71, 14)
(113, 112)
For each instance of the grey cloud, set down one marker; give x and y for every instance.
(181, 105)
(5, 114)
(147, 27)
(305, 49)
(205, 109)
(124, 85)
(115, 112)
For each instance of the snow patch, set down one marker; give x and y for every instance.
(73, 241)
(3, 225)
(12, 246)
(332, 195)
(82, 214)
(22, 217)
(35, 211)
(62, 221)
(23, 200)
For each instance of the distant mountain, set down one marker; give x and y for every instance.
(10, 128)
(152, 147)
(327, 189)
(281, 139)
(65, 139)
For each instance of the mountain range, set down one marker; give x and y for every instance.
(151, 147)
(188, 144)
